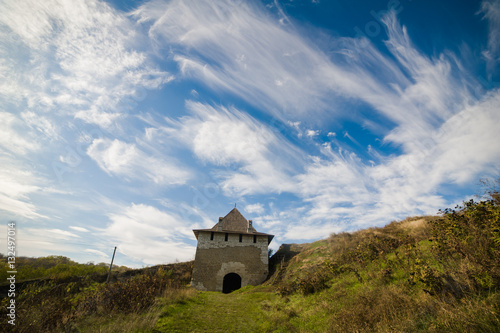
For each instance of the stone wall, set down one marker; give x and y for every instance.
(218, 257)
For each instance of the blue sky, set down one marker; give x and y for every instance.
(129, 124)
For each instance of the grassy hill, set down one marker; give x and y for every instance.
(423, 274)
(392, 279)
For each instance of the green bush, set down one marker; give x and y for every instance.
(470, 234)
(53, 267)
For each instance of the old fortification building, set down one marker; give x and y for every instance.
(231, 255)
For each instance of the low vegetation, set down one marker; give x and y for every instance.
(86, 303)
(52, 267)
(423, 274)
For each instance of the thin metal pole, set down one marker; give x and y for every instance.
(110, 266)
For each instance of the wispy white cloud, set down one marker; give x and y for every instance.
(36, 242)
(257, 208)
(340, 187)
(11, 138)
(460, 151)
(102, 255)
(17, 184)
(335, 186)
(491, 11)
(419, 94)
(41, 124)
(466, 144)
(63, 60)
(437, 90)
(242, 49)
(250, 156)
(128, 160)
(312, 133)
(79, 57)
(446, 135)
(308, 231)
(18, 206)
(79, 229)
(149, 235)
(58, 233)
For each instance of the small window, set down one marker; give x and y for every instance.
(254, 238)
(212, 235)
(241, 238)
(225, 237)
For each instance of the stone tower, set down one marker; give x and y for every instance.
(231, 255)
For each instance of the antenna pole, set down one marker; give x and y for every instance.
(110, 266)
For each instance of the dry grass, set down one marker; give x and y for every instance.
(137, 322)
(423, 274)
(130, 304)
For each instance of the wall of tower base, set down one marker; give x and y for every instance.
(217, 257)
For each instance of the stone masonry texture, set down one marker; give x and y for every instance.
(234, 248)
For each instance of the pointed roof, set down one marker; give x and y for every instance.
(236, 223)
(233, 221)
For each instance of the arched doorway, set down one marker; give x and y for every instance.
(232, 281)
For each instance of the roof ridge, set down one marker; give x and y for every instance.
(233, 221)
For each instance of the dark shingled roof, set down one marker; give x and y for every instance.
(233, 222)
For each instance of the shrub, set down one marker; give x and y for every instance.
(470, 234)
(54, 304)
(133, 295)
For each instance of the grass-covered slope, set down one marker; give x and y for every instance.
(423, 274)
(242, 311)
(85, 303)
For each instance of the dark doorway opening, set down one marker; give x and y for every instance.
(232, 281)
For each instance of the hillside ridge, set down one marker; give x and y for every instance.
(422, 274)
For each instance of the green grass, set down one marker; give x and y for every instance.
(137, 322)
(417, 275)
(241, 311)
(387, 279)
(391, 279)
